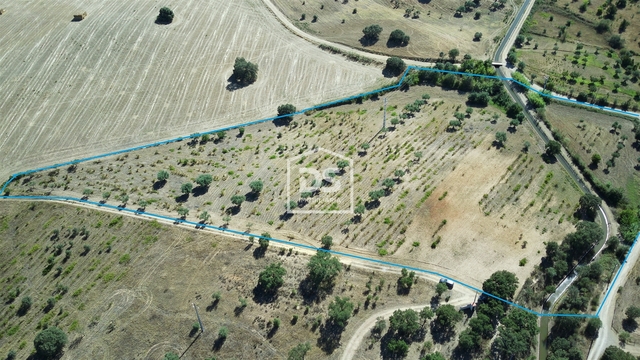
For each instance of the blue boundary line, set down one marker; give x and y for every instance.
(615, 279)
(295, 244)
(324, 105)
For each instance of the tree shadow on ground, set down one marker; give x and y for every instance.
(365, 41)
(213, 305)
(629, 325)
(260, 296)
(311, 293)
(395, 44)
(330, 335)
(549, 159)
(286, 216)
(440, 334)
(182, 198)
(234, 84)
(251, 196)
(233, 210)
(388, 73)
(200, 190)
(283, 121)
(497, 144)
(259, 252)
(217, 345)
(159, 184)
(372, 204)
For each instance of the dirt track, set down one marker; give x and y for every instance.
(116, 79)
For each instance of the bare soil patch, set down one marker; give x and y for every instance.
(117, 79)
(500, 205)
(435, 30)
(131, 295)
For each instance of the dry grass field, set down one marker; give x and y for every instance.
(581, 49)
(628, 296)
(130, 296)
(590, 133)
(435, 30)
(117, 79)
(464, 208)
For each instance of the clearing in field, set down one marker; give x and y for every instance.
(433, 27)
(428, 194)
(124, 288)
(116, 79)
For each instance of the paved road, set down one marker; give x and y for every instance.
(607, 336)
(514, 30)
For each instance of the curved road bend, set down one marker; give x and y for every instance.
(354, 343)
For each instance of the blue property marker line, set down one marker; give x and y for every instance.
(309, 247)
(617, 274)
(324, 105)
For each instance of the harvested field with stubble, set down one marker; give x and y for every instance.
(130, 296)
(116, 79)
(458, 196)
(434, 30)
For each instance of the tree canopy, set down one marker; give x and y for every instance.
(447, 316)
(615, 353)
(589, 204)
(395, 65)
(587, 233)
(256, 186)
(372, 32)
(502, 284)
(244, 71)
(323, 268)
(165, 16)
(286, 109)
(553, 148)
(271, 278)
(399, 37)
(340, 310)
(204, 180)
(404, 322)
(49, 342)
(299, 351)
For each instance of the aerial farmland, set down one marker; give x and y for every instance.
(117, 79)
(306, 179)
